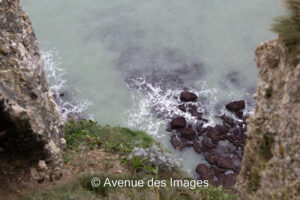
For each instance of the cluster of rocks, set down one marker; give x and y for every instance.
(222, 145)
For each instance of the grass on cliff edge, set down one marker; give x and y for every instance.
(88, 134)
(85, 137)
(288, 27)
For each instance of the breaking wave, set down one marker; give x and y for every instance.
(64, 95)
(155, 106)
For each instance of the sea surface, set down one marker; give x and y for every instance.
(124, 62)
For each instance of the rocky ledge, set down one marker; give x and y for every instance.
(221, 145)
(270, 167)
(31, 127)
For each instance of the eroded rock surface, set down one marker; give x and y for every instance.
(31, 127)
(271, 163)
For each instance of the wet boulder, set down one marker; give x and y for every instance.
(205, 173)
(193, 110)
(218, 171)
(187, 96)
(178, 122)
(236, 106)
(213, 134)
(228, 120)
(182, 107)
(240, 114)
(208, 143)
(211, 157)
(180, 143)
(225, 163)
(188, 133)
(197, 147)
(222, 131)
(200, 129)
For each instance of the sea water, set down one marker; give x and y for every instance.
(124, 62)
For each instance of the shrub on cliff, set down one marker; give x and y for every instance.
(288, 27)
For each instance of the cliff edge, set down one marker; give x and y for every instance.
(270, 167)
(31, 127)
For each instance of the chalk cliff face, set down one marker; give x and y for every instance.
(31, 127)
(271, 163)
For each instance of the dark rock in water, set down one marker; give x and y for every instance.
(240, 114)
(211, 157)
(222, 130)
(228, 120)
(205, 173)
(213, 134)
(225, 163)
(178, 122)
(188, 133)
(197, 147)
(187, 96)
(176, 142)
(218, 171)
(193, 110)
(200, 129)
(235, 131)
(169, 127)
(208, 143)
(227, 180)
(180, 143)
(236, 106)
(237, 137)
(182, 107)
(62, 94)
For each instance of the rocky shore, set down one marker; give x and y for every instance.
(221, 145)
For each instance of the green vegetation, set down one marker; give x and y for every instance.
(288, 27)
(83, 190)
(266, 147)
(88, 136)
(254, 180)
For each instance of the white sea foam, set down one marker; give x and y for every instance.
(154, 107)
(58, 85)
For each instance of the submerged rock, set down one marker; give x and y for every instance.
(180, 143)
(200, 129)
(228, 120)
(205, 173)
(225, 163)
(188, 133)
(31, 126)
(187, 96)
(197, 147)
(178, 122)
(236, 106)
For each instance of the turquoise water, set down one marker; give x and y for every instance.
(121, 59)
